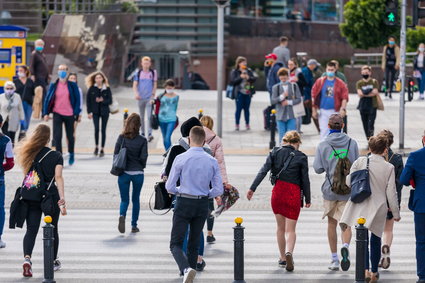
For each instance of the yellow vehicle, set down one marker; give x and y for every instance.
(13, 40)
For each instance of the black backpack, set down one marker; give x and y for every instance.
(34, 187)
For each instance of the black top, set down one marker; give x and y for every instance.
(25, 91)
(38, 66)
(397, 161)
(98, 108)
(137, 152)
(390, 56)
(296, 172)
(48, 165)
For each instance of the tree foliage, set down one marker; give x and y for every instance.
(414, 38)
(364, 24)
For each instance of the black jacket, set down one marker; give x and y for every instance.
(397, 161)
(18, 211)
(296, 173)
(25, 91)
(99, 108)
(236, 80)
(137, 152)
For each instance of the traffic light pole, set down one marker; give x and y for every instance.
(402, 72)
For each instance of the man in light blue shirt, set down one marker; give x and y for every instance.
(200, 179)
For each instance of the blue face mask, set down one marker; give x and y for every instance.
(39, 48)
(62, 74)
(391, 42)
(330, 74)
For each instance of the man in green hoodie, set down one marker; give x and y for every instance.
(335, 146)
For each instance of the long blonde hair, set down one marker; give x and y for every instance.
(31, 146)
(90, 79)
(207, 121)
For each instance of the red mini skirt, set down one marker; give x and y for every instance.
(286, 200)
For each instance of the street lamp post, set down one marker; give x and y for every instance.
(402, 72)
(221, 4)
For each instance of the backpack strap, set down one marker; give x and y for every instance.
(211, 139)
(286, 163)
(45, 155)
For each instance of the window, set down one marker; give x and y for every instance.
(327, 10)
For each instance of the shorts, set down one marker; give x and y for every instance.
(333, 208)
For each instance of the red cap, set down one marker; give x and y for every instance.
(271, 56)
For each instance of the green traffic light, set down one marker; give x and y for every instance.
(391, 17)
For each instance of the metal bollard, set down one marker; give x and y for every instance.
(361, 246)
(125, 115)
(48, 244)
(201, 113)
(272, 129)
(238, 247)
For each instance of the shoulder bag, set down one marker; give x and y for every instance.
(163, 200)
(120, 160)
(360, 185)
(299, 110)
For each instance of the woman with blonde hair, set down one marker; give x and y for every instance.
(99, 97)
(289, 176)
(137, 155)
(11, 110)
(34, 149)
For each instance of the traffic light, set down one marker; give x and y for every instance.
(410, 88)
(418, 12)
(391, 12)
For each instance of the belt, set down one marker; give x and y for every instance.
(191, 196)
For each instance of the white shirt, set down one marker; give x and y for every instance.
(420, 60)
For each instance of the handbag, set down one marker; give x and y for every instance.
(154, 120)
(120, 161)
(298, 109)
(360, 185)
(379, 102)
(230, 92)
(411, 204)
(114, 108)
(163, 200)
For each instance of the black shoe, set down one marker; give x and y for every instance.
(200, 266)
(211, 239)
(96, 151)
(282, 263)
(135, 230)
(420, 281)
(391, 96)
(121, 224)
(345, 261)
(102, 153)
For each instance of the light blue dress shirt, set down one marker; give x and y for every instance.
(196, 169)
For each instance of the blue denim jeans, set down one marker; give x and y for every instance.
(421, 82)
(283, 127)
(243, 102)
(201, 242)
(167, 129)
(2, 197)
(375, 253)
(28, 113)
(124, 184)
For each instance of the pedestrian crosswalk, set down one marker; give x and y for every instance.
(92, 250)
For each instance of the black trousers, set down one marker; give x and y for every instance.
(33, 220)
(96, 123)
(368, 120)
(210, 219)
(192, 212)
(58, 120)
(5, 131)
(390, 73)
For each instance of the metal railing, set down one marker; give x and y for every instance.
(374, 58)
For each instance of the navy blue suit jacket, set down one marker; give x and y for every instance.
(415, 169)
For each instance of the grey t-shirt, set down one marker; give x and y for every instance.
(283, 54)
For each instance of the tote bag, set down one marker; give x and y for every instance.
(360, 185)
(120, 161)
(299, 110)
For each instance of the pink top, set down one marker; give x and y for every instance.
(62, 102)
(217, 150)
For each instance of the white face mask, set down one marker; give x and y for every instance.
(21, 75)
(9, 91)
(169, 90)
(421, 49)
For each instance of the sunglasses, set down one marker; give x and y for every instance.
(8, 88)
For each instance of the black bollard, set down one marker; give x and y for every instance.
(125, 114)
(201, 113)
(238, 247)
(361, 246)
(272, 129)
(48, 243)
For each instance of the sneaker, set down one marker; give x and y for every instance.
(2, 244)
(102, 153)
(421, 96)
(237, 128)
(134, 229)
(248, 127)
(200, 266)
(121, 224)
(282, 263)
(150, 138)
(289, 262)
(390, 96)
(189, 275)
(96, 151)
(27, 266)
(71, 159)
(334, 266)
(211, 239)
(345, 261)
(385, 261)
(57, 265)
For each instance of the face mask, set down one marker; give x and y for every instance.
(39, 48)
(330, 74)
(391, 42)
(62, 74)
(365, 77)
(22, 75)
(169, 90)
(421, 49)
(9, 91)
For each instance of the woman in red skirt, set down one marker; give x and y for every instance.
(289, 175)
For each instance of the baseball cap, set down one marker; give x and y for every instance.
(313, 62)
(271, 56)
(336, 122)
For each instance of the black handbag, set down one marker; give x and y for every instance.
(120, 161)
(411, 204)
(154, 120)
(360, 185)
(163, 200)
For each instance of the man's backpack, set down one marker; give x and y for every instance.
(34, 187)
(342, 169)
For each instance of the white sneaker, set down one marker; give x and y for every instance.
(189, 275)
(421, 96)
(2, 244)
(334, 266)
